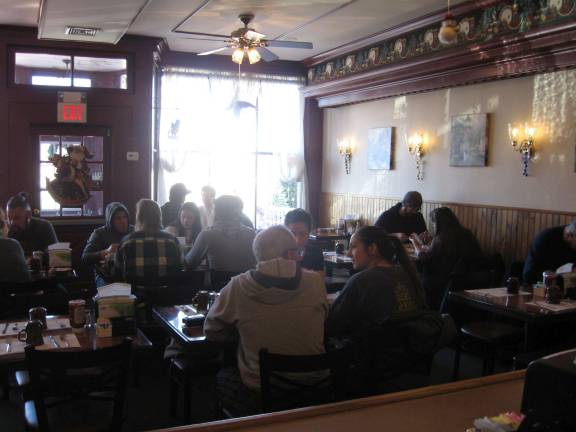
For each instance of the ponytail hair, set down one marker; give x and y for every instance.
(392, 250)
(19, 200)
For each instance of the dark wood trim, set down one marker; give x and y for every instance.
(224, 63)
(541, 50)
(426, 20)
(313, 134)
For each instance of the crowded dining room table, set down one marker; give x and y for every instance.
(272, 216)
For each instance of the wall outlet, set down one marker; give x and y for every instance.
(132, 156)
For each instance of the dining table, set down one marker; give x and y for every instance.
(59, 336)
(533, 312)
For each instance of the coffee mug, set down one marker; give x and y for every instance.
(203, 300)
(512, 285)
(38, 314)
(32, 334)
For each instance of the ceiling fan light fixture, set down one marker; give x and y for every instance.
(238, 55)
(253, 56)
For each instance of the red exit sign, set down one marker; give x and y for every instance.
(71, 107)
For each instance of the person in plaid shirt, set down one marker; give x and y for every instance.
(148, 254)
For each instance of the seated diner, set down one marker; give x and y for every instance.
(33, 234)
(13, 266)
(277, 306)
(104, 241)
(178, 160)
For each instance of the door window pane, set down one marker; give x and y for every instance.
(47, 171)
(95, 145)
(95, 205)
(49, 145)
(48, 207)
(97, 174)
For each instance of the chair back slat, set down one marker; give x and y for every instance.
(327, 385)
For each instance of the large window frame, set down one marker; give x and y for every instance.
(258, 160)
(72, 53)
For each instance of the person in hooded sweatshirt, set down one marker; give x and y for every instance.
(104, 241)
(277, 306)
(227, 245)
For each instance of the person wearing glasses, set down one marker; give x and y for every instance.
(405, 219)
(299, 222)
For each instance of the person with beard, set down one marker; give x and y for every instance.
(103, 242)
(32, 233)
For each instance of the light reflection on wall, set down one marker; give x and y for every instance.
(554, 112)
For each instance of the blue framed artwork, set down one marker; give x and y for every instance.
(380, 141)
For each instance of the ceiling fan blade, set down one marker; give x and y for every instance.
(205, 39)
(213, 51)
(254, 35)
(267, 55)
(288, 44)
(202, 34)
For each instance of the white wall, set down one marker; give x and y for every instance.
(547, 100)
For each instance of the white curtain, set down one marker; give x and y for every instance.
(241, 136)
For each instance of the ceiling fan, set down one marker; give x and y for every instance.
(247, 42)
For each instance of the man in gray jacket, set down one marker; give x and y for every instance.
(278, 306)
(104, 240)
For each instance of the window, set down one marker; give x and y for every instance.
(60, 70)
(237, 136)
(59, 81)
(51, 145)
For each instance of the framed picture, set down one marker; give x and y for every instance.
(380, 148)
(469, 140)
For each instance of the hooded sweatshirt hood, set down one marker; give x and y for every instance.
(273, 282)
(111, 210)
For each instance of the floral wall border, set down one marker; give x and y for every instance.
(508, 17)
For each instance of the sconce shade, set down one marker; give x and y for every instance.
(448, 34)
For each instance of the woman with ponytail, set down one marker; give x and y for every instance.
(387, 283)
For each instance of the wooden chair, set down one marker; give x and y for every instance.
(492, 336)
(401, 346)
(182, 371)
(59, 379)
(279, 392)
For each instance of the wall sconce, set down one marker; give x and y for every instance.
(345, 149)
(525, 145)
(416, 149)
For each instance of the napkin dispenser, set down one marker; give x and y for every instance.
(549, 398)
(120, 311)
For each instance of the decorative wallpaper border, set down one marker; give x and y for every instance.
(508, 17)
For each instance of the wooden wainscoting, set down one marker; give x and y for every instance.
(506, 230)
